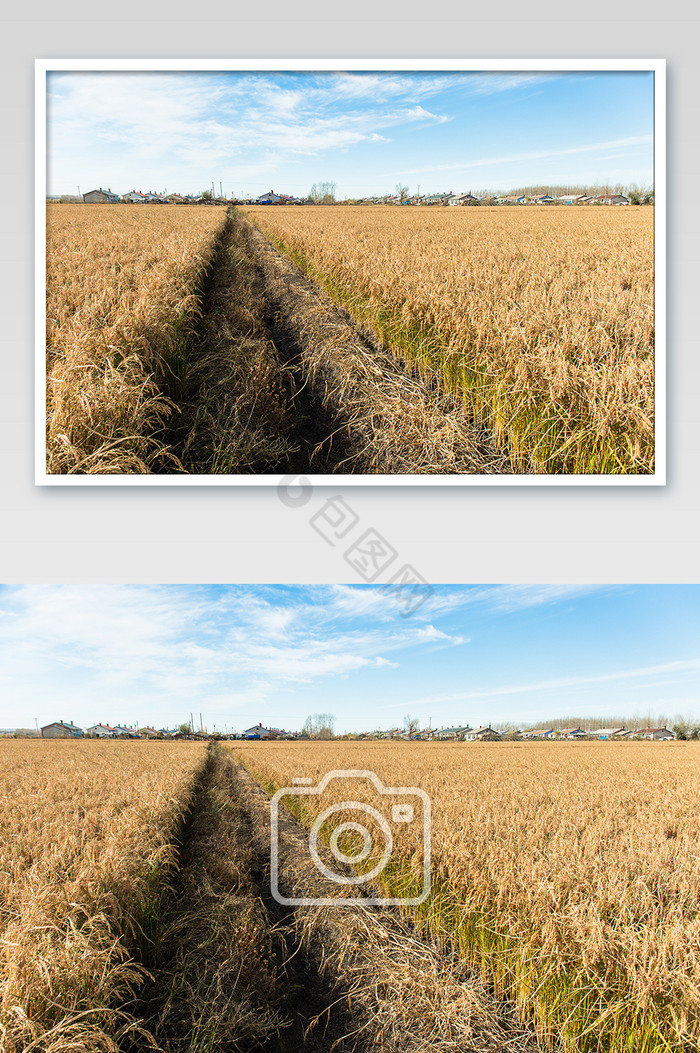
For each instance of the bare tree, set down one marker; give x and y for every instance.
(319, 726)
(401, 192)
(411, 724)
(323, 193)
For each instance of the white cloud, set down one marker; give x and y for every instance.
(154, 653)
(418, 113)
(203, 121)
(521, 597)
(380, 87)
(429, 634)
(384, 86)
(140, 129)
(170, 646)
(357, 601)
(495, 83)
(564, 682)
(628, 142)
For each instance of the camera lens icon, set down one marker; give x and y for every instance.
(350, 842)
(347, 858)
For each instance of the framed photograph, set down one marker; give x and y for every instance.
(434, 796)
(358, 271)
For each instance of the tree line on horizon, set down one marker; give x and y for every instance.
(321, 725)
(324, 193)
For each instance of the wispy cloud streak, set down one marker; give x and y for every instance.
(678, 667)
(628, 143)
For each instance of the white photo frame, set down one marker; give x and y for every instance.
(656, 66)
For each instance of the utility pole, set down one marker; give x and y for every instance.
(201, 728)
(191, 724)
(221, 189)
(79, 194)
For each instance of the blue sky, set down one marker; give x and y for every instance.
(275, 654)
(365, 132)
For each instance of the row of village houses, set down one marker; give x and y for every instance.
(101, 196)
(66, 729)
(463, 199)
(489, 734)
(137, 197)
(483, 734)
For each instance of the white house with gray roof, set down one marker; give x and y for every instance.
(101, 731)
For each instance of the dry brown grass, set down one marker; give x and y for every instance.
(216, 982)
(403, 994)
(542, 319)
(236, 416)
(87, 832)
(122, 292)
(569, 872)
(381, 419)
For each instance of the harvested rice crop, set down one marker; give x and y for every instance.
(568, 872)
(122, 292)
(542, 319)
(86, 838)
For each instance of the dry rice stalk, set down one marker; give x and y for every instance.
(406, 995)
(569, 872)
(396, 422)
(122, 292)
(87, 835)
(542, 319)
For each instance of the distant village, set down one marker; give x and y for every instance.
(533, 197)
(188, 730)
(483, 734)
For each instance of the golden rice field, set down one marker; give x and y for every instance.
(86, 832)
(569, 873)
(122, 285)
(541, 319)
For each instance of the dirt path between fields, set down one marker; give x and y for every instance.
(232, 969)
(356, 409)
(227, 968)
(391, 989)
(275, 378)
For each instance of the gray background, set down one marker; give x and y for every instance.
(475, 534)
